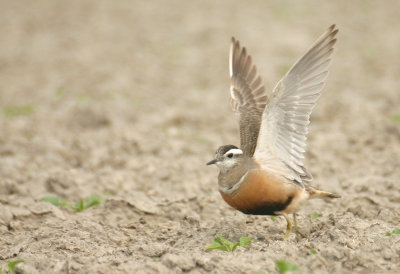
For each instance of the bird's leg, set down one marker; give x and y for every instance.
(289, 226)
(296, 227)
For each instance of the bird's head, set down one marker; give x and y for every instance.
(227, 158)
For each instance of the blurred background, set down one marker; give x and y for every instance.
(133, 95)
(98, 84)
(131, 98)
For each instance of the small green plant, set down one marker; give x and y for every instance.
(225, 245)
(11, 266)
(12, 111)
(78, 206)
(396, 118)
(395, 231)
(273, 217)
(313, 251)
(59, 93)
(284, 267)
(314, 216)
(84, 99)
(200, 139)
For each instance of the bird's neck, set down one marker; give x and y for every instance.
(228, 179)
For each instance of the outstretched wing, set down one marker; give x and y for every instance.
(248, 98)
(283, 131)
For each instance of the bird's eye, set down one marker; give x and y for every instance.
(230, 155)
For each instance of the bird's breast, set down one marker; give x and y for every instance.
(261, 194)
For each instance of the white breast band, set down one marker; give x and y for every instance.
(230, 190)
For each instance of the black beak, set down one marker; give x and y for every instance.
(212, 162)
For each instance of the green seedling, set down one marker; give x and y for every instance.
(225, 245)
(396, 118)
(53, 200)
(59, 93)
(314, 216)
(11, 266)
(273, 217)
(313, 251)
(284, 267)
(84, 99)
(261, 271)
(201, 139)
(78, 206)
(12, 111)
(395, 231)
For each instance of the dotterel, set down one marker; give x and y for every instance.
(266, 176)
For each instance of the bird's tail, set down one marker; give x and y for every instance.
(319, 194)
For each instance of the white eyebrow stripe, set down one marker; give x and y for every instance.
(235, 151)
(230, 190)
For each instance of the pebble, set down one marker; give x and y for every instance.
(153, 250)
(184, 263)
(5, 215)
(260, 237)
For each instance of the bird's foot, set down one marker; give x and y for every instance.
(288, 228)
(296, 228)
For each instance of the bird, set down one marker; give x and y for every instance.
(266, 175)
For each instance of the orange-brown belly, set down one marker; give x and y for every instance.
(260, 194)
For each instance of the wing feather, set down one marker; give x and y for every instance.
(282, 135)
(248, 98)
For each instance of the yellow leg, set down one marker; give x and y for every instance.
(296, 227)
(289, 226)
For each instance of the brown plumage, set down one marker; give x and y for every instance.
(266, 175)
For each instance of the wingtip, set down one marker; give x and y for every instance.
(231, 52)
(234, 42)
(333, 29)
(334, 196)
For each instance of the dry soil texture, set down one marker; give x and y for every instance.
(129, 99)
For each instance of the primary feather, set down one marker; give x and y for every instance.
(284, 120)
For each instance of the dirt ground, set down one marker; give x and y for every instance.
(128, 100)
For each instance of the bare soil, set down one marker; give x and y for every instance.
(128, 100)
